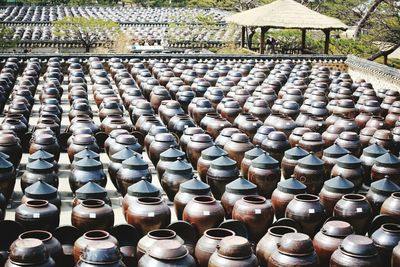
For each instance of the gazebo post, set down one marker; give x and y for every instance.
(303, 40)
(243, 36)
(327, 40)
(262, 40)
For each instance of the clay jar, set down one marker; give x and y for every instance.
(37, 215)
(86, 170)
(208, 243)
(356, 250)
(39, 170)
(238, 146)
(91, 190)
(296, 135)
(284, 193)
(161, 143)
(123, 141)
(176, 173)
(349, 167)
(351, 142)
(355, 209)
(386, 165)
(256, 213)
(92, 214)
(166, 158)
(207, 156)
(81, 142)
(368, 157)
(330, 156)
(261, 134)
(396, 256)
(265, 173)
(203, 212)
(269, 242)
(333, 190)
(9, 144)
(276, 144)
(196, 145)
(105, 254)
(294, 249)
(308, 211)
(225, 136)
(7, 178)
(222, 171)
(310, 171)
(187, 135)
(391, 205)
(312, 142)
(290, 160)
(132, 171)
(116, 163)
(91, 239)
(42, 190)
(385, 239)
(378, 192)
(148, 213)
(249, 156)
(234, 191)
(29, 252)
(233, 251)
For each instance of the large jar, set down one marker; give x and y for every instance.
(355, 209)
(208, 243)
(105, 255)
(125, 140)
(187, 191)
(9, 144)
(265, 173)
(349, 167)
(256, 213)
(378, 192)
(351, 142)
(386, 165)
(39, 170)
(86, 170)
(276, 144)
(269, 242)
(225, 136)
(161, 143)
(148, 213)
(132, 171)
(249, 156)
(7, 178)
(222, 171)
(262, 134)
(333, 190)
(290, 160)
(233, 251)
(110, 141)
(310, 171)
(38, 215)
(356, 250)
(176, 173)
(294, 249)
(166, 158)
(116, 163)
(150, 136)
(368, 159)
(329, 239)
(331, 134)
(238, 146)
(312, 142)
(284, 193)
(81, 142)
(196, 145)
(92, 214)
(187, 135)
(385, 239)
(91, 190)
(391, 206)
(46, 142)
(207, 156)
(297, 134)
(330, 156)
(203, 212)
(308, 211)
(396, 256)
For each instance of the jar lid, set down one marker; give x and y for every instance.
(84, 139)
(135, 163)
(41, 190)
(358, 246)
(311, 161)
(240, 138)
(295, 244)
(5, 165)
(101, 253)
(195, 186)
(300, 131)
(241, 186)
(5, 156)
(351, 136)
(384, 187)
(157, 129)
(39, 165)
(143, 188)
(179, 166)
(45, 139)
(339, 184)
(254, 153)
(213, 152)
(171, 154)
(265, 161)
(374, 150)
(387, 160)
(348, 161)
(28, 251)
(223, 162)
(335, 151)
(8, 139)
(88, 164)
(122, 155)
(337, 229)
(126, 139)
(91, 190)
(168, 250)
(202, 138)
(41, 154)
(292, 186)
(264, 129)
(165, 137)
(277, 136)
(195, 130)
(312, 136)
(296, 153)
(86, 153)
(234, 247)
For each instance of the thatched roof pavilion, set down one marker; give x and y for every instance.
(286, 14)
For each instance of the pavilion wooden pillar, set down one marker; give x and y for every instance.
(327, 40)
(303, 40)
(243, 41)
(262, 39)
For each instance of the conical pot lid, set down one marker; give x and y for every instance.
(88, 164)
(195, 186)
(292, 186)
(265, 161)
(348, 161)
(311, 161)
(296, 153)
(135, 163)
(179, 166)
(91, 190)
(5, 165)
(374, 150)
(172, 154)
(213, 152)
(39, 165)
(241, 186)
(4, 156)
(388, 160)
(254, 153)
(86, 153)
(223, 162)
(41, 154)
(122, 155)
(335, 151)
(41, 190)
(143, 188)
(384, 187)
(339, 184)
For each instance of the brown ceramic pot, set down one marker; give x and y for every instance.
(92, 214)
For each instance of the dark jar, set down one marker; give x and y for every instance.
(86, 170)
(333, 190)
(131, 172)
(311, 172)
(385, 239)
(106, 254)
(349, 167)
(42, 190)
(207, 156)
(290, 159)
(38, 215)
(238, 146)
(176, 173)
(330, 156)
(39, 170)
(378, 192)
(249, 156)
(222, 171)
(92, 214)
(391, 206)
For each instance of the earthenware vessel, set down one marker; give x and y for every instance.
(386, 165)
(92, 214)
(147, 241)
(385, 239)
(311, 172)
(276, 144)
(86, 170)
(29, 252)
(38, 215)
(222, 171)
(7, 178)
(207, 156)
(175, 174)
(166, 158)
(237, 147)
(368, 159)
(378, 192)
(39, 170)
(42, 190)
(349, 167)
(264, 172)
(391, 205)
(333, 190)
(196, 145)
(131, 172)
(290, 159)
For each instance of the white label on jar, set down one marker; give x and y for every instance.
(257, 211)
(311, 210)
(254, 124)
(186, 126)
(150, 214)
(36, 215)
(92, 215)
(206, 213)
(359, 210)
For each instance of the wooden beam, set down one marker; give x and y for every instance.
(243, 41)
(262, 40)
(303, 40)
(327, 40)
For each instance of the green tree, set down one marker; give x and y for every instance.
(6, 34)
(88, 31)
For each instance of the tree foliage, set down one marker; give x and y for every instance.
(6, 34)
(87, 30)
